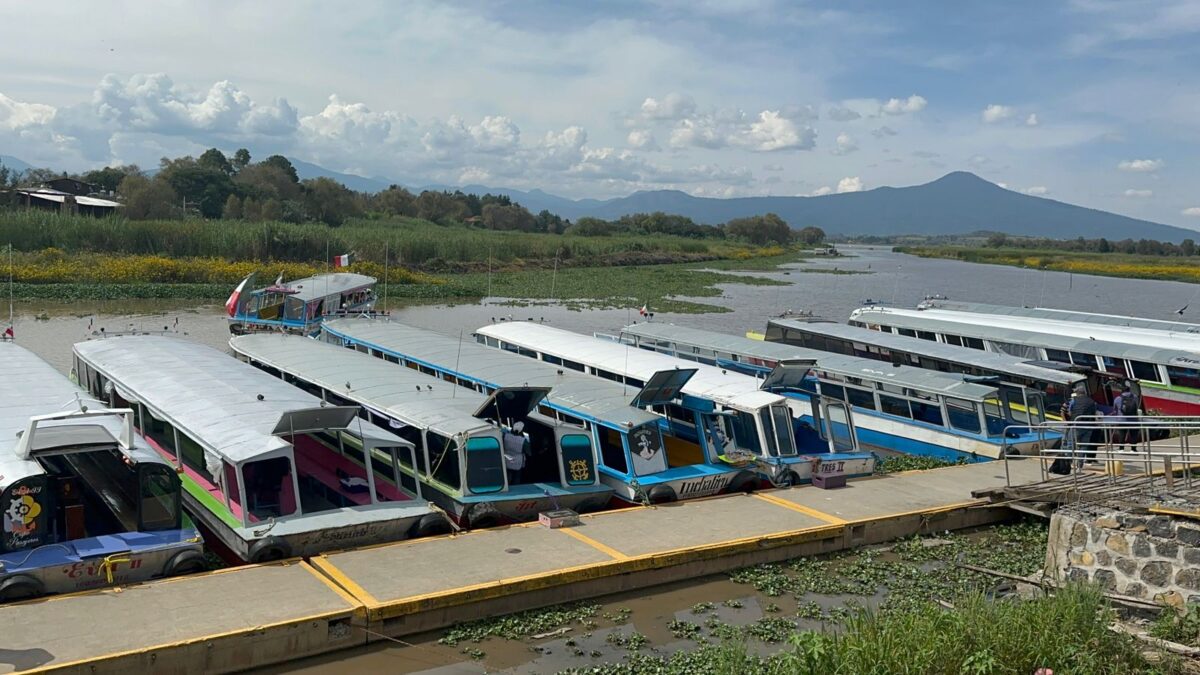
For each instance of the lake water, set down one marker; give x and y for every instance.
(891, 278)
(51, 329)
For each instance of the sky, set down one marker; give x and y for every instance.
(1093, 102)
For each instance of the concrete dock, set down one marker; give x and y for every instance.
(254, 616)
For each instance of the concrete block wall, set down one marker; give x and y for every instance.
(1154, 557)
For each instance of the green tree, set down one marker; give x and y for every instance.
(110, 177)
(760, 230)
(441, 207)
(147, 199)
(204, 187)
(251, 210)
(233, 208)
(1187, 247)
(395, 201)
(329, 201)
(272, 210)
(265, 181)
(497, 216)
(284, 164)
(241, 159)
(215, 159)
(810, 236)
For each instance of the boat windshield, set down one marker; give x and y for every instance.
(745, 432)
(998, 414)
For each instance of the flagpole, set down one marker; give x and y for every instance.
(386, 246)
(11, 327)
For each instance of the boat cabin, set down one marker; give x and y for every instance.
(85, 503)
(270, 470)
(298, 306)
(636, 459)
(462, 439)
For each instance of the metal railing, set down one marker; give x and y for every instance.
(1150, 446)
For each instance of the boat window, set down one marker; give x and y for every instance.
(860, 398)
(606, 375)
(1184, 377)
(927, 411)
(894, 406)
(231, 486)
(783, 429)
(577, 459)
(443, 460)
(907, 332)
(269, 489)
(193, 457)
(549, 358)
(764, 417)
(926, 335)
(381, 464)
(953, 340)
(833, 391)
(973, 343)
(1058, 355)
(964, 415)
(745, 432)
(570, 419)
(485, 465)
(1081, 359)
(1147, 372)
(158, 487)
(573, 365)
(612, 452)
(840, 428)
(1116, 366)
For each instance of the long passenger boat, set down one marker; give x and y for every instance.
(1055, 380)
(458, 434)
(915, 411)
(637, 460)
(299, 306)
(1073, 316)
(1165, 365)
(724, 412)
(85, 502)
(269, 471)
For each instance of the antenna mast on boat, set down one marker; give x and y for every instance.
(386, 249)
(10, 291)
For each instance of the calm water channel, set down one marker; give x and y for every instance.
(50, 330)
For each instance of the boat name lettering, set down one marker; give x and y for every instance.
(95, 568)
(526, 505)
(704, 486)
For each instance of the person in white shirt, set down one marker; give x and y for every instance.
(516, 451)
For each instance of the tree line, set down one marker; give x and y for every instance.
(1151, 247)
(216, 186)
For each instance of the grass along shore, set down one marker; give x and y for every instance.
(1100, 264)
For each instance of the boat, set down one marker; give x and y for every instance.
(913, 418)
(299, 306)
(724, 412)
(85, 502)
(269, 471)
(458, 434)
(639, 456)
(1165, 365)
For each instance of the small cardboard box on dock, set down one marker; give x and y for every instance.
(828, 481)
(559, 518)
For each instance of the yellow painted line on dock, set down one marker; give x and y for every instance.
(606, 550)
(819, 515)
(327, 579)
(339, 578)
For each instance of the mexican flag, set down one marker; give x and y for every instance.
(341, 260)
(231, 305)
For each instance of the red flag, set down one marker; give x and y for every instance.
(341, 260)
(232, 303)
(8, 332)
(644, 311)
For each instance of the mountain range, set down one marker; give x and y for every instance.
(957, 203)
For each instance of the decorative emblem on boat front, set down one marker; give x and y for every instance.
(579, 470)
(646, 449)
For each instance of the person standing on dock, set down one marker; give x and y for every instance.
(1127, 409)
(1085, 413)
(516, 450)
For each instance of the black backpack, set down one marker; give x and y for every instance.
(1129, 405)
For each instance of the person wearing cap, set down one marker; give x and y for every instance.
(516, 451)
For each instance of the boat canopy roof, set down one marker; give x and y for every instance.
(405, 394)
(323, 285)
(709, 382)
(33, 387)
(230, 408)
(1002, 363)
(845, 366)
(978, 326)
(1065, 315)
(603, 401)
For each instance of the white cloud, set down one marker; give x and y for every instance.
(1032, 120)
(1140, 165)
(474, 174)
(1036, 190)
(845, 144)
(1191, 211)
(821, 191)
(17, 114)
(641, 139)
(842, 114)
(899, 106)
(768, 132)
(996, 113)
(850, 184)
(1140, 194)
(772, 131)
(670, 107)
(883, 131)
(495, 133)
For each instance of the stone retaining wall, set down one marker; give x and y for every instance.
(1155, 557)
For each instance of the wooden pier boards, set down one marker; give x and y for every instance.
(252, 616)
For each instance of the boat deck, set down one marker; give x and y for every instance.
(253, 616)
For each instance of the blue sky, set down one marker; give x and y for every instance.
(1094, 102)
